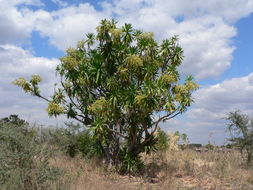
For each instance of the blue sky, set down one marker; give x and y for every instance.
(242, 57)
(216, 37)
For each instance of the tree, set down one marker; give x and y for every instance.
(15, 120)
(121, 84)
(183, 139)
(240, 127)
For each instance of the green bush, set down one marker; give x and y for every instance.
(24, 162)
(130, 164)
(162, 140)
(88, 145)
(209, 146)
(74, 139)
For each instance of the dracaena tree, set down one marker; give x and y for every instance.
(120, 83)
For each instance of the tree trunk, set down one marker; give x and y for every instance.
(249, 157)
(111, 152)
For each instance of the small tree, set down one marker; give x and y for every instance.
(240, 127)
(116, 83)
(183, 139)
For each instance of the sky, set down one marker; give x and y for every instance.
(216, 36)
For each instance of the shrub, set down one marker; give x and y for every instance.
(162, 140)
(24, 162)
(209, 146)
(74, 139)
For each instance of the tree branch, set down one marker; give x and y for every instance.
(38, 95)
(161, 119)
(172, 116)
(75, 117)
(118, 133)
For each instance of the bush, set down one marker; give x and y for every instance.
(24, 162)
(209, 146)
(74, 139)
(171, 140)
(162, 140)
(130, 164)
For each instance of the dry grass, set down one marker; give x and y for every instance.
(173, 170)
(83, 174)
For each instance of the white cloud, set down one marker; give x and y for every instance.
(251, 79)
(207, 46)
(205, 29)
(14, 63)
(231, 11)
(10, 3)
(60, 3)
(235, 93)
(67, 26)
(15, 26)
(212, 104)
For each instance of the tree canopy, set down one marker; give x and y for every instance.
(240, 127)
(120, 83)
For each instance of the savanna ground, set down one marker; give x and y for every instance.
(31, 159)
(176, 169)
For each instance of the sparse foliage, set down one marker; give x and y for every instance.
(115, 82)
(240, 127)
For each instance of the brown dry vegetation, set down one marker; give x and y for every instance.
(172, 170)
